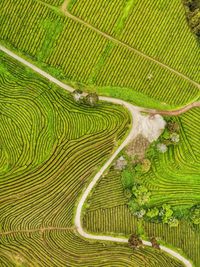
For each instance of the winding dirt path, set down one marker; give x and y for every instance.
(133, 132)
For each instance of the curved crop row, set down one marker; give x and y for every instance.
(51, 146)
(74, 52)
(173, 179)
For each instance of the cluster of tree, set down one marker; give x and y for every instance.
(170, 136)
(164, 214)
(193, 15)
(139, 198)
(195, 214)
(90, 99)
(135, 241)
(137, 194)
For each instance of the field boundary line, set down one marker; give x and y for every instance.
(134, 111)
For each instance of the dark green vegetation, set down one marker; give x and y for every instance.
(193, 15)
(83, 56)
(168, 192)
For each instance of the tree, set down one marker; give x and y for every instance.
(92, 99)
(152, 213)
(193, 15)
(127, 179)
(175, 138)
(133, 206)
(195, 214)
(135, 241)
(173, 126)
(141, 193)
(162, 148)
(77, 95)
(155, 243)
(195, 22)
(166, 213)
(127, 193)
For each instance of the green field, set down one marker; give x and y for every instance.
(173, 179)
(158, 28)
(84, 57)
(50, 148)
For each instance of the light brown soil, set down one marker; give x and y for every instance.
(137, 148)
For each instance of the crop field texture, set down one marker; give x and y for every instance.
(108, 213)
(173, 179)
(75, 52)
(47, 156)
(50, 147)
(53, 2)
(157, 28)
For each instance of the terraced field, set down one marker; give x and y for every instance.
(47, 156)
(174, 179)
(80, 54)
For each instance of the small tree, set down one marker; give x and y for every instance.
(135, 241)
(140, 214)
(127, 179)
(195, 214)
(166, 213)
(173, 222)
(173, 126)
(175, 138)
(162, 148)
(92, 99)
(155, 243)
(152, 213)
(77, 95)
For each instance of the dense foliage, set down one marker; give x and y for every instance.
(193, 15)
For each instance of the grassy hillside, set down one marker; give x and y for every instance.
(81, 55)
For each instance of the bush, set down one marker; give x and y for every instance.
(195, 214)
(152, 213)
(127, 179)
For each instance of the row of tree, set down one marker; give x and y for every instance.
(193, 15)
(136, 242)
